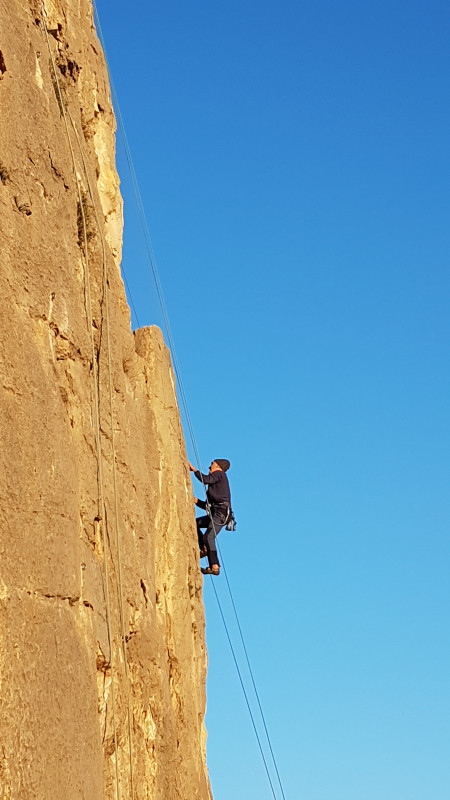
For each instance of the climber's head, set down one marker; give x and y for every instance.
(220, 463)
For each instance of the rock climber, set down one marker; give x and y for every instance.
(219, 501)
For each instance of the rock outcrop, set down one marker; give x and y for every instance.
(102, 648)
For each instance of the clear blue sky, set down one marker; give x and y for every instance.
(294, 163)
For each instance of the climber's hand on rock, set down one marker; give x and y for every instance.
(192, 468)
(195, 500)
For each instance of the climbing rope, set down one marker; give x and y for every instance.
(244, 689)
(209, 511)
(105, 288)
(101, 496)
(171, 344)
(250, 671)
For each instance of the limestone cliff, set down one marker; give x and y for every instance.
(102, 650)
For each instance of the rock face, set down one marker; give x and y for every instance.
(102, 649)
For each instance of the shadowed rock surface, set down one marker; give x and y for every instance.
(102, 648)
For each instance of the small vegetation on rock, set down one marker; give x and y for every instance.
(85, 219)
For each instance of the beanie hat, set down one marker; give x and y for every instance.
(223, 463)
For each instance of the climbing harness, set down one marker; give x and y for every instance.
(230, 523)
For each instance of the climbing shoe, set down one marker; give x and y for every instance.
(203, 552)
(215, 570)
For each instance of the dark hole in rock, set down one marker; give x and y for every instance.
(4, 174)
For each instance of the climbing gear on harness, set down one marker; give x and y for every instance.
(231, 522)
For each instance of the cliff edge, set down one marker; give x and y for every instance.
(102, 642)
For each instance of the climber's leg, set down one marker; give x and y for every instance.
(210, 541)
(202, 522)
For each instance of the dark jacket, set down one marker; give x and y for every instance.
(218, 491)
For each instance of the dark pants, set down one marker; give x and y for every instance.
(208, 539)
